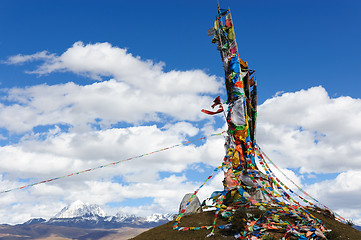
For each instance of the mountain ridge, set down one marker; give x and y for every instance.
(86, 215)
(83, 221)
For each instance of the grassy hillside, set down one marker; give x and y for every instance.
(339, 230)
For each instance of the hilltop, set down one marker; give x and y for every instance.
(165, 231)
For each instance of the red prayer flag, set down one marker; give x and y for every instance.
(216, 101)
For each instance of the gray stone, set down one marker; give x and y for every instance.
(193, 207)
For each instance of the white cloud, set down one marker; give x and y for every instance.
(308, 129)
(104, 103)
(66, 152)
(63, 153)
(339, 191)
(305, 130)
(139, 92)
(66, 128)
(341, 194)
(102, 59)
(75, 131)
(2, 137)
(312, 132)
(20, 59)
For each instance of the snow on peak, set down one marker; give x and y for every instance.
(125, 217)
(80, 209)
(156, 217)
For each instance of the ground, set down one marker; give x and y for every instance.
(339, 230)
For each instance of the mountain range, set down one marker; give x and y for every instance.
(85, 215)
(83, 221)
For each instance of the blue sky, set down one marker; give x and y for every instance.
(301, 37)
(85, 83)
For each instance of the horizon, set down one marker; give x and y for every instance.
(84, 84)
(79, 204)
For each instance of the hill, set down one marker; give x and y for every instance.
(165, 231)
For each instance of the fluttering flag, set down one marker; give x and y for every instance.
(216, 102)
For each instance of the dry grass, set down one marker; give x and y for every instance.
(163, 232)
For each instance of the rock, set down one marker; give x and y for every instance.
(193, 207)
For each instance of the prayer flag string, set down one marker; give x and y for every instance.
(113, 163)
(289, 207)
(298, 187)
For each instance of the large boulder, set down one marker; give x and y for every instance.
(193, 207)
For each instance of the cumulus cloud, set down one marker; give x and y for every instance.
(60, 153)
(69, 151)
(341, 190)
(69, 127)
(312, 131)
(139, 91)
(103, 60)
(66, 152)
(135, 107)
(341, 194)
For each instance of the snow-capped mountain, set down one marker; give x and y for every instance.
(157, 217)
(34, 221)
(85, 215)
(125, 218)
(80, 209)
